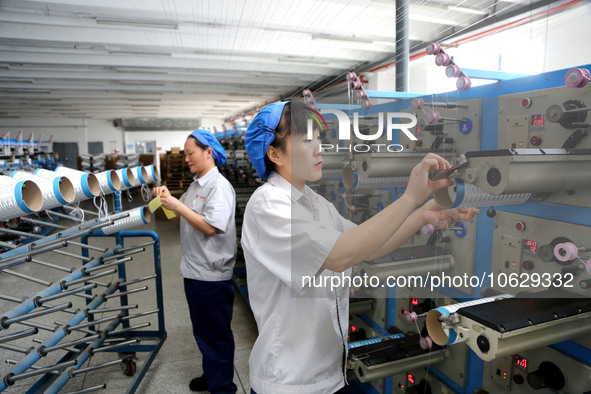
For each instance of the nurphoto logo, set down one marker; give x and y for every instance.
(344, 130)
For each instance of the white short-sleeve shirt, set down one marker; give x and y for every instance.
(287, 234)
(209, 258)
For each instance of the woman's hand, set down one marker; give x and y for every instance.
(160, 191)
(420, 187)
(441, 217)
(170, 202)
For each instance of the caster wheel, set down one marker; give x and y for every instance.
(129, 367)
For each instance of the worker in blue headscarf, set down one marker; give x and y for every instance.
(290, 232)
(208, 241)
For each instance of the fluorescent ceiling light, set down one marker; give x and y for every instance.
(466, 10)
(353, 38)
(138, 23)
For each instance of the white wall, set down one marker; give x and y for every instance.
(80, 131)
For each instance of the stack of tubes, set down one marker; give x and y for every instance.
(24, 192)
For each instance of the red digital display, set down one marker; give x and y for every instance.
(530, 246)
(537, 122)
(521, 362)
(410, 379)
(415, 301)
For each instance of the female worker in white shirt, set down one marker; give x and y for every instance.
(290, 233)
(208, 241)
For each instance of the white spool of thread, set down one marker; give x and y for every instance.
(326, 174)
(137, 217)
(56, 192)
(466, 195)
(140, 174)
(153, 174)
(352, 180)
(447, 336)
(85, 184)
(109, 181)
(127, 176)
(18, 198)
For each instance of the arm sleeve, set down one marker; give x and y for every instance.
(288, 242)
(219, 206)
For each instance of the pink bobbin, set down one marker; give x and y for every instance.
(366, 104)
(577, 77)
(566, 251)
(453, 71)
(442, 59)
(361, 94)
(355, 85)
(417, 103)
(588, 266)
(410, 317)
(463, 83)
(306, 93)
(342, 196)
(432, 116)
(428, 229)
(350, 76)
(351, 209)
(426, 343)
(433, 48)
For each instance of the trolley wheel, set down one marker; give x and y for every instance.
(129, 367)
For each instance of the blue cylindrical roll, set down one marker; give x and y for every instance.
(85, 184)
(109, 181)
(18, 198)
(466, 195)
(56, 192)
(153, 174)
(140, 174)
(128, 179)
(137, 217)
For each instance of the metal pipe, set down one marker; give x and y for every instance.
(402, 45)
(124, 318)
(20, 334)
(74, 372)
(6, 322)
(133, 281)
(127, 253)
(11, 378)
(43, 351)
(72, 311)
(86, 271)
(57, 267)
(17, 349)
(114, 346)
(42, 223)
(113, 309)
(137, 246)
(68, 329)
(132, 328)
(123, 293)
(27, 277)
(10, 298)
(65, 285)
(90, 389)
(40, 300)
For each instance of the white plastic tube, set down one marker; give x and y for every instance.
(86, 184)
(153, 174)
(466, 195)
(447, 336)
(56, 192)
(127, 176)
(140, 174)
(137, 217)
(109, 181)
(18, 198)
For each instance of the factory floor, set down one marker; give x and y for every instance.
(179, 359)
